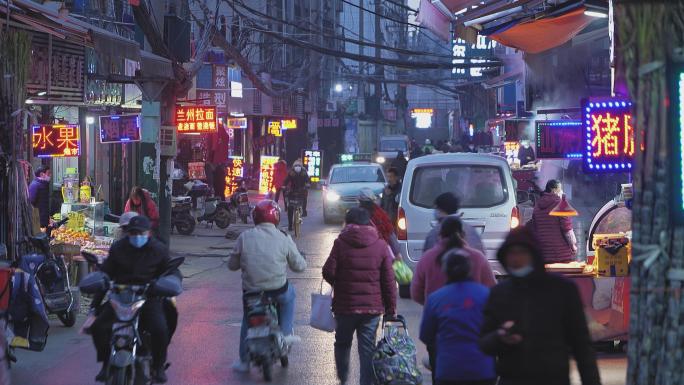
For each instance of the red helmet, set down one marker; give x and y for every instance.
(266, 211)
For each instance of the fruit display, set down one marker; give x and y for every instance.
(70, 236)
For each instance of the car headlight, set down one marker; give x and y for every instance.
(332, 196)
(380, 159)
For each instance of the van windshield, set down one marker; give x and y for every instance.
(476, 185)
(393, 145)
(351, 174)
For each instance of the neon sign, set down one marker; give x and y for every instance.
(312, 163)
(559, 139)
(266, 173)
(289, 124)
(59, 140)
(349, 158)
(274, 128)
(119, 128)
(237, 123)
(234, 172)
(676, 88)
(463, 52)
(423, 117)
(196, 119)
(609, 133)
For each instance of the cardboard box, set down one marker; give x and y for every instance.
(612, 261)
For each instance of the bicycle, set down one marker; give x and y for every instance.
(297, 205)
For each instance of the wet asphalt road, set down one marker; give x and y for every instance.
(206, 342)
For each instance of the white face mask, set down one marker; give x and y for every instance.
(298, 169)
(521, 272)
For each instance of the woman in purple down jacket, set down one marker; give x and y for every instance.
(359, 269)
(556, 238)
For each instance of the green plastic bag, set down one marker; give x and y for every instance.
(402, 272)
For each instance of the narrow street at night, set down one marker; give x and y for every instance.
(210, 312)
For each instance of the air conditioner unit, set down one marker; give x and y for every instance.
(168, 146)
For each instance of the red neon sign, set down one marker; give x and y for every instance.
(57, 140)
(196, 119)
(609, 128)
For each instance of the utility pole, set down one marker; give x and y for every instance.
(379, 73)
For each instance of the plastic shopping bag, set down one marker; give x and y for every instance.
(321, 311)
(402, 273)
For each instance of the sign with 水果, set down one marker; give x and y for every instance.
(56, 140)
(119, 128)
(558, 139)
(608, 128)
(196, 119)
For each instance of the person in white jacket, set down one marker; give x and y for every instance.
(264, 254)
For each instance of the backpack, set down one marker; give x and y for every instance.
(394, 359)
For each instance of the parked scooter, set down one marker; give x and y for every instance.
(130, 362)
(265, 341)
(239, 203)
(207, 208)
(52, 277)
(181, 217)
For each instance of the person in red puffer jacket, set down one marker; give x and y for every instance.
(359, 269)
(556, 238)
(279, 175)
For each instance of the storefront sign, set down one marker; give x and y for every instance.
(423, 117)
(119, 128)
(57, 140)
(237, 123)
(608, 125)
(676, 88)
(196, 170)
(195, 119)
(312, 164)
(220, 76)
(463, 53)
(274, 128)
(213, 98)
(559, 139)
(266, 173)
(234, 172)
(288, 124)
(235, 89)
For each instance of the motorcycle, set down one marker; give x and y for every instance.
(207, 208)
(181, 217)
(239, 205)
(130, 359)
(52, 277)
(265, 341)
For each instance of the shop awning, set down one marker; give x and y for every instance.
(542, 34)
(434, 19)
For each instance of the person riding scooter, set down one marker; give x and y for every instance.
(264, 253)
(296, 184)
(136, 259)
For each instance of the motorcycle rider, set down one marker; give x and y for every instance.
(264, 253)
(136, 259)
(296, 183)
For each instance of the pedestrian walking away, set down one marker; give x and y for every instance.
(534, 321)
(451, 324)
(359, 268)
(379, 219)
(390, 196)
(39, 194)
(264, 254)
(279, 175)
(448, 204)
(555, 234)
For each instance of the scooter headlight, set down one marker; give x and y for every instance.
(126, 312)
(332, 196)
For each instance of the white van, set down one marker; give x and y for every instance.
(483, 183)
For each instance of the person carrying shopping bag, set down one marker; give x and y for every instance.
(359, 269)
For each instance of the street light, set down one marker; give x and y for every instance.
(597, 9)
(338, 87)
(90, 120)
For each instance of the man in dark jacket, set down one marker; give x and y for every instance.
(534, 320)
(359, 269)
(390, 197)
(400, 163)
(447, 204)
(135, 260)
(39, 194)
(297, 184)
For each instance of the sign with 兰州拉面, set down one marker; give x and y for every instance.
(608, 127)
(196, 119)
(57, 140)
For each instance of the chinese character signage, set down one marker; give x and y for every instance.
(349, 158)
(559, 139)
(220, 77)
(274, 128)
(213, 98)
(119, 128)
(312, 164)
(464, 53)
(609, 130)
(196, 170)
(234, 173)
(289, 124)
(266, 173)
(57, 140)
(423, 117)
(195, 119)
(237, 123)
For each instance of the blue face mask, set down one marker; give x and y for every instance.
(138, 241)
(522, 272)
